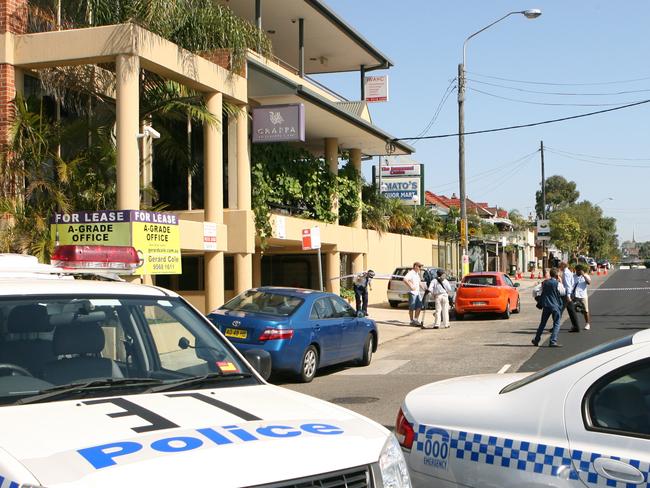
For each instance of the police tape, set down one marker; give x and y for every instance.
(630, 288)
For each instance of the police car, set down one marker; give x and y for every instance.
(107, 383)
(582, 422)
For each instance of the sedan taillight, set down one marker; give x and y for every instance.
(404, 431)
(275, 334)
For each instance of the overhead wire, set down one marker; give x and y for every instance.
(450, 89)
(598, 163)
(552, 104)
(609, 158)
(600, 83)
(514, 171)
(565, 94)
(523, 126)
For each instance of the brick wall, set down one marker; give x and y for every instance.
(222, 57)
(7, 94)
(13, 16)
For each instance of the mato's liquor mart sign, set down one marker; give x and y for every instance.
(154, 235)
(279, 123)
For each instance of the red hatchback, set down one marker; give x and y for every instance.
(487, 292)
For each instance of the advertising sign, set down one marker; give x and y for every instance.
(404, 182)
(401, 170)
(543, 230)
(376, 88)
(209, 236)
(154, 235)
(279, 123)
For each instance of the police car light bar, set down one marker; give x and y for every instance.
(105, 258)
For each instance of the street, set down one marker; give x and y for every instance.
(478, 345)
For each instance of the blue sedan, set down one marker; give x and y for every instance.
(303, 330)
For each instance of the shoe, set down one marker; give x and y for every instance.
(587, 327)
(446, 327)
(535, 342)
(574, 330)
(554, 344)
(435, 327)
(415, 322)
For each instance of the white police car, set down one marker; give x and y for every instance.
(582, 422)
(110, 384)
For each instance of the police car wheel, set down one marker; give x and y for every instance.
(368, 346)
(393, 303)
(309, 364)
(518, 309)
(506, 313)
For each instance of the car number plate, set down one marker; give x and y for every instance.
(237, 333)
(405, 296)
(473, 303)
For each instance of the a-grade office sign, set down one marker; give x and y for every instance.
(279, 123)
(155, 235)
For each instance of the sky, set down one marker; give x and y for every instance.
(581, 54)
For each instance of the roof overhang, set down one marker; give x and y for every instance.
(331, 44)
(324, 118)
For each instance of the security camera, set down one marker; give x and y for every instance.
(151, 132)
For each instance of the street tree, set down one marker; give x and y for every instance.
(566, 232)
(560, 194)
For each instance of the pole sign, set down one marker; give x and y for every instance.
(154, 235)
(543, 230)
(311, 238)
(279, 123)
(376, 88)
(404, 182)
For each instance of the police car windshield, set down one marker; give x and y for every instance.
(48, 341)
(264, 302)
(554, 368)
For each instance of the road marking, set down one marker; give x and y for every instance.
(380, 367)
(505, 368)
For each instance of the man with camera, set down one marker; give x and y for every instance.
(579, 295)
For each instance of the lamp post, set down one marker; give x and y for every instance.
(529, 14)
(603, 200)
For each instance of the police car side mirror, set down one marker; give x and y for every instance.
(260, 360)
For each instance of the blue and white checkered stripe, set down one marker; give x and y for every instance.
(7, 483)
(528, 456)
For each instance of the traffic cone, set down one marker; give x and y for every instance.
(605, 271)
(597, 271)
(532, 275)
(539, 275)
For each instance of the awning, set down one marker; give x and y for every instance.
(324, 118)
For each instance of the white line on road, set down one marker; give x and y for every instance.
(505, 368)
(380, 367)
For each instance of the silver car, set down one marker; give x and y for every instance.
(398, 291)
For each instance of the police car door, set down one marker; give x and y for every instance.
(607, 418)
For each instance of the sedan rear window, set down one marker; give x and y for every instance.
(554, 368)
(480, 280)
(264, 302)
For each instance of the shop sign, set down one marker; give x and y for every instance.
(311, 238)
(543, 228)
(154, 235)
(376, 88)
(408, 190)
(401, 170)
(280, 230)
(279, 123)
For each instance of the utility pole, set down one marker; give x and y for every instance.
(461, 157)
(541, 152)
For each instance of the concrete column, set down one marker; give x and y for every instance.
(127, 128)
(357, 263)
(355, 159)
(243, 162)
(243, 272)
(332, 158)
(257, 269)
(213, 200)
(332, 269)
(232, 161)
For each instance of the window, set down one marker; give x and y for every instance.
(342, 308)
(508, 280)
(264, 302)
(620, 402)
(488, 280)
(321, 310)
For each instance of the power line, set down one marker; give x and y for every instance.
(566, 94)
(610, 158)
(553, 104)
(601, 83)
(522, 126)
(514, 171)
(450, 89)
(600, 163)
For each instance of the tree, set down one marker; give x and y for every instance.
(560, 193)
(426, 223)
(519, 222)
(566, 232)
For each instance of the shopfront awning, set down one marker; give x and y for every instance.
(323, 118)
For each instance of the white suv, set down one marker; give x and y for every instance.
(110, 384)
(398, 291)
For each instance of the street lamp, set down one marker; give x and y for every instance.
(529, 14)
(415, 199)
(603, 200)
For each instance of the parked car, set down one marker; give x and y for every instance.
(591, 262)
(303, 330)
(398, 291)
(604, 264)
(487, 292)
(584, 421)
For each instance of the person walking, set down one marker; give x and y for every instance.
(579, 294)
(413, 280)
(551, 302)
(440, 290)
(567, 278)
(362, 282)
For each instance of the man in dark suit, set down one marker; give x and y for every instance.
(551, 301)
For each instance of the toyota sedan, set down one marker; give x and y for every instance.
(303, 330)
(584, 421)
